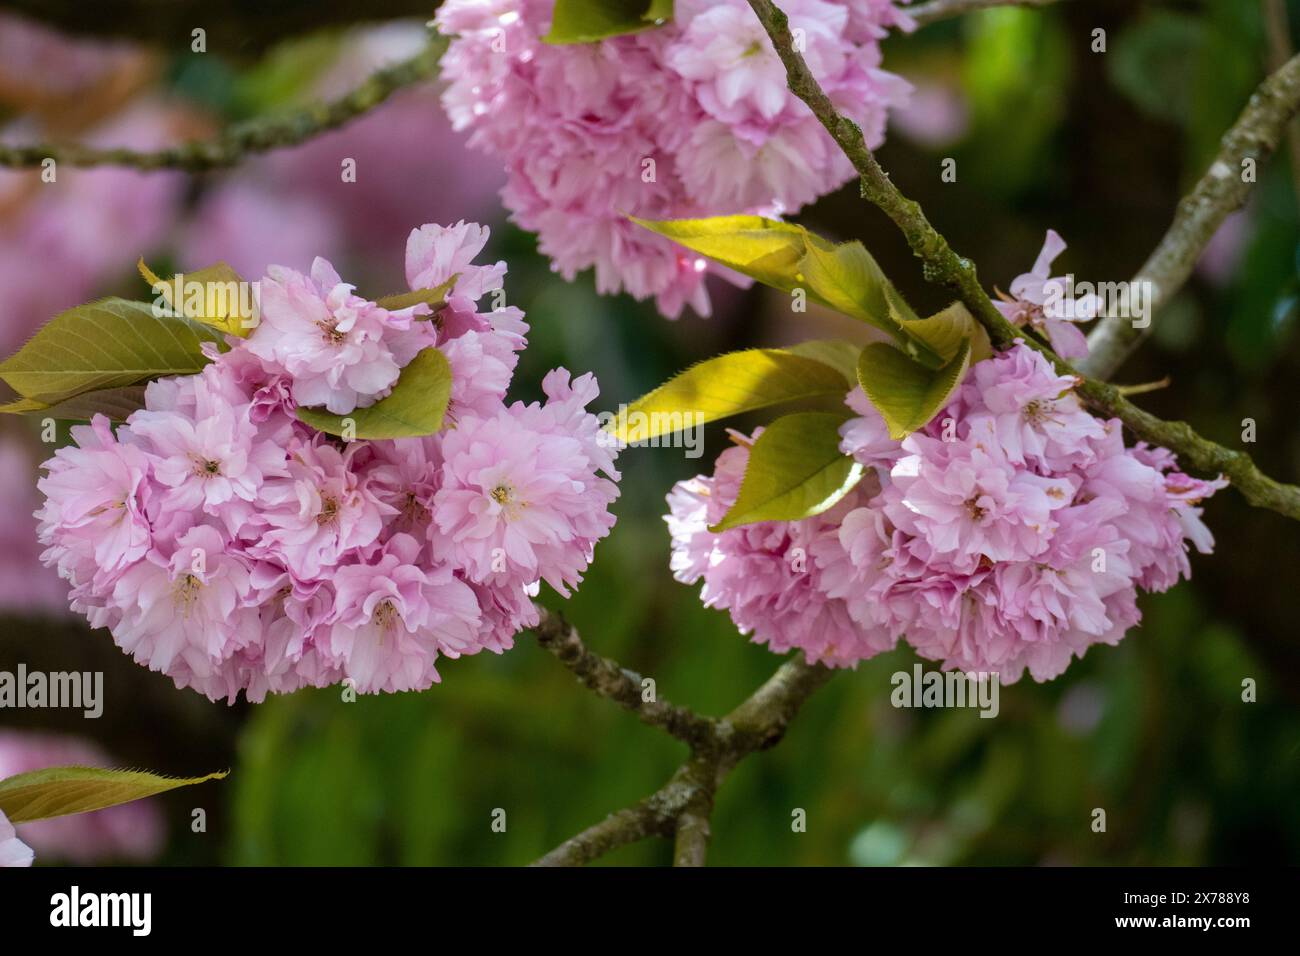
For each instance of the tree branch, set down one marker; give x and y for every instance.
(1220, 191)
(929, 12)
(619, 684)
(245, 139)
(682, 806)
(944, 266)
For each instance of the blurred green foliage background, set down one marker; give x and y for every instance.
(1049, 133)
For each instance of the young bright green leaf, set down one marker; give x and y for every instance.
(838, 354)
(795, 470)
(847, 278)
(105, 344)
(944, 332)
(435, 298)
(727, 385)
(585, 21)
(215, 296)
(58, 791)
(906, 393)
(415, 406)
(764, 249)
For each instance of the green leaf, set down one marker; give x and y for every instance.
(795, 470)
(435, 298)
(116, 403)
(22, 406)
(213, 296)
(659, 11)
(764, 249)
(906, 393)
(727, 385)
(106, 344)
(585, 21)
(847, 278)
(415, 406)
(58, 791)
(838, 354)
(944, 332)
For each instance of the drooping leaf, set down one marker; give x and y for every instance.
(214, 296)
(945, 331)
(415, 406)
(764, 249)
(435, 298)
(795, 470)
(846, 278)
(116, 403)
(727, 385)
(906, 393)
(585, 21)
(105, 344)
(58, 791)
(22, 406)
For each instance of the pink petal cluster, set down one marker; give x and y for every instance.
(132, 831)
(689, 119)
(231, 546)
(1038, 300)
(1011, 533)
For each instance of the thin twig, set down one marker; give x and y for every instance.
(942, 265)
(682, 806)
(619, 684)
(245, 139)
(1222, 189)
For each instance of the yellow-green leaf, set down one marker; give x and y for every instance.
(105, 344)
(727, 385)
(906, 393)
(838, 354)
(415, 406)
(944, 332)
(22, 406)
(585, 21)
(795, 470)
(764, 249)
(435, 298)
(58, 791)
(847, 278)
(215, 296)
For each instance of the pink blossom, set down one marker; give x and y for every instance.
(230, 545)
(687, 119)
(1010, 534)
(341, 350)
(391, 619)
(1040, 301)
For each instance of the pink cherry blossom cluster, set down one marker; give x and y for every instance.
(1012, 532)
(231, 546)
(689, 119)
